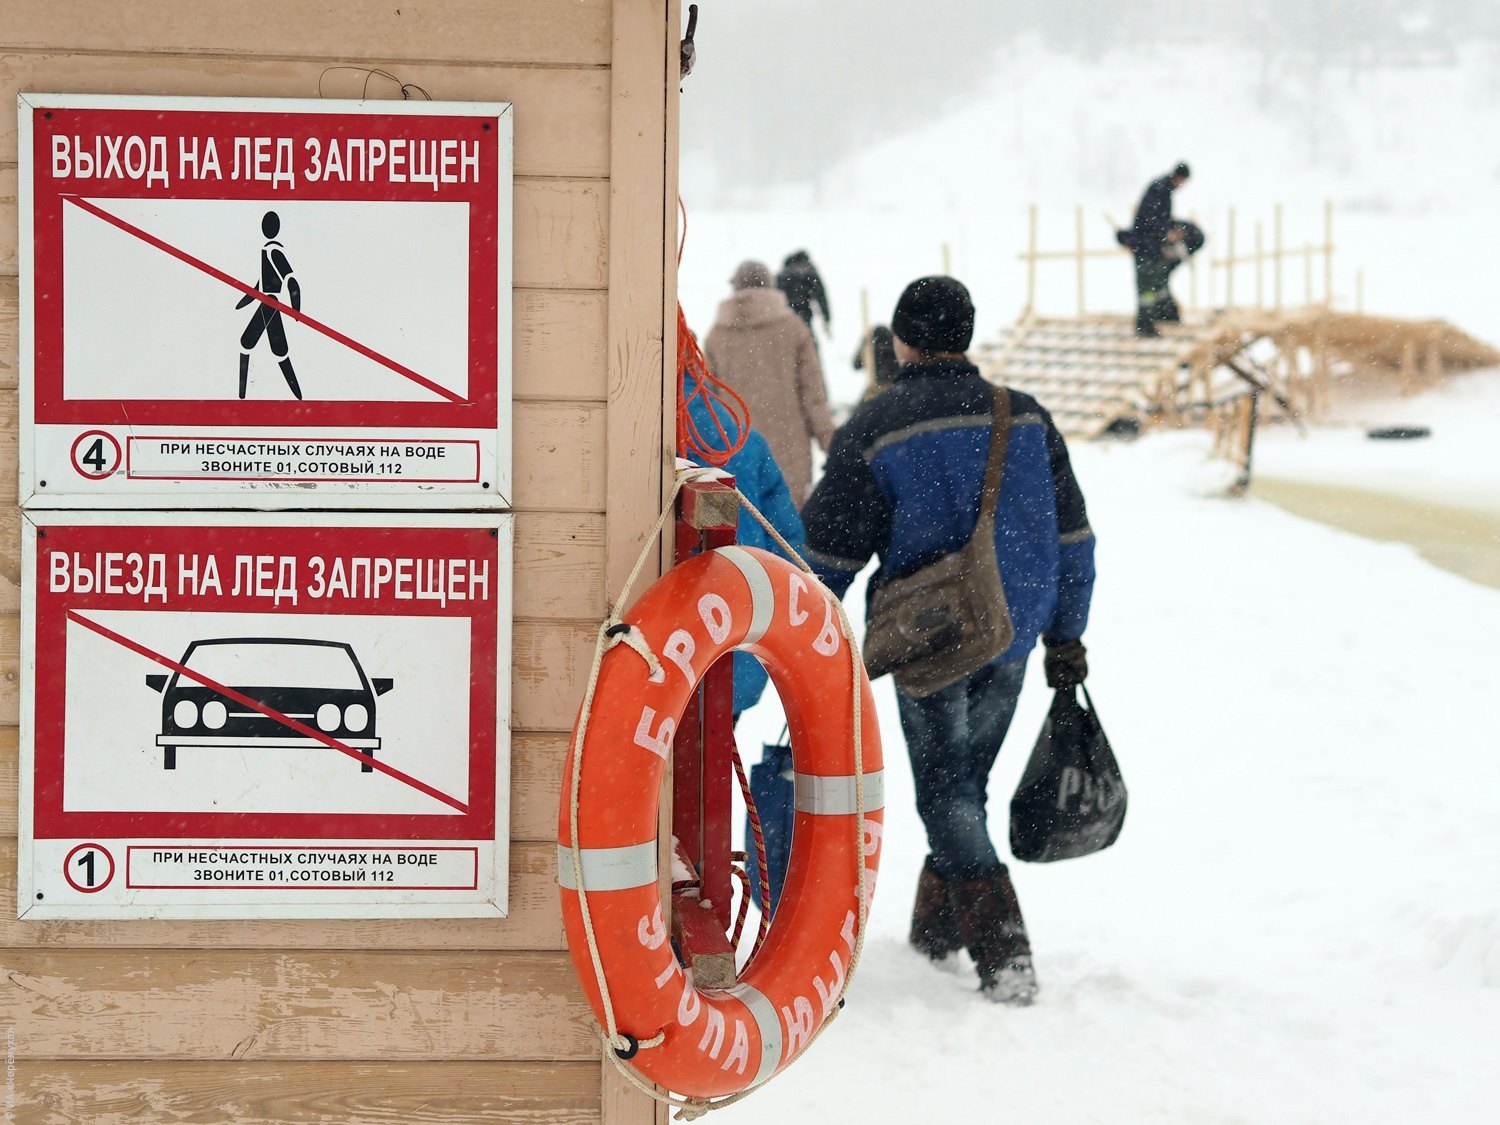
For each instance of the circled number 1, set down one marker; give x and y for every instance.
(89, 868)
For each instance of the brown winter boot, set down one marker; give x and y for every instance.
(934, 930)
(990, 925)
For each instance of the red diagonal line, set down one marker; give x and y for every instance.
(265, 299)
(268, 712)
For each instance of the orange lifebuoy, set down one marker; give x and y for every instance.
(717, 1042)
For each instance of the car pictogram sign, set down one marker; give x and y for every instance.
(272, 715)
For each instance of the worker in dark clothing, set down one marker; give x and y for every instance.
(1158, 243)
(803, 287)
(879, 348)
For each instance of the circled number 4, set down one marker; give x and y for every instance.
(93, 457)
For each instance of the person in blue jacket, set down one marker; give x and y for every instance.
(759, 478)
(903, 481)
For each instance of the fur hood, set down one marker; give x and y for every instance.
(752, 308)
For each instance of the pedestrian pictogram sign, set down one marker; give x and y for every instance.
(264, 715)
(291, 303)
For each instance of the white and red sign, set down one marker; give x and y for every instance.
(296, 301)
(264, 715)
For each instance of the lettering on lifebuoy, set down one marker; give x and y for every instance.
(828, 640)
(796, 585)
(717, 619)
(659, 743)
(679, 650)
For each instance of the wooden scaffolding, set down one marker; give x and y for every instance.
(1215, 368)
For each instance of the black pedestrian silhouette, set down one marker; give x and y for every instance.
(274, 270)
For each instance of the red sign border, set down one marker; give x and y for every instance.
(46, 631)
(44, 115)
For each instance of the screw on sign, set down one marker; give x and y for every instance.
(95, 454)
(89, 868)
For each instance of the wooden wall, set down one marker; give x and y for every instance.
(406, 1021)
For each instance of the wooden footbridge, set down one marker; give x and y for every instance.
(1095, 375)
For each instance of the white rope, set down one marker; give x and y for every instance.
(689, 1109)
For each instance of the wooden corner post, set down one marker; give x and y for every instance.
(641, 333)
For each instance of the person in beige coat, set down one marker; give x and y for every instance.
(761, 348)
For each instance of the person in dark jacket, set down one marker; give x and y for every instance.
(799, 280)
(903, 481)
(1156, 240)
(879, 350)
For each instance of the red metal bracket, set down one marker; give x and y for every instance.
(703, 751)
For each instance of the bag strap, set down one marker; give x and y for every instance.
(994, 470)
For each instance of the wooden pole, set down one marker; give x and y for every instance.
(1078, 230)
(1307, 266)
(1031, 263)
(1328, 252)
(1229, 264)
(1260, 264)
(1276, 253)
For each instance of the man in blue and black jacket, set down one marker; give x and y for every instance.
(903, 481)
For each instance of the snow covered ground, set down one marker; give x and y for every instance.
(1456, 466)
(1301, 920)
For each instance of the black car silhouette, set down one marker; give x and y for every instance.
(318, 683)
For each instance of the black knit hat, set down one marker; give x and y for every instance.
(935, 314)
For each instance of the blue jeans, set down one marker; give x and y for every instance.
(953, 737)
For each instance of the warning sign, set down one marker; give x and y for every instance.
(296, 300)
(267, 716)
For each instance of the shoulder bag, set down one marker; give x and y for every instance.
(934, 626)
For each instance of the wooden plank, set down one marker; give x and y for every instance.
(560, 456)
(558, 347)
(559, 566)
(550, 663)
(10, 558)
(481, 31)
(534, 923)
(536, 769)
(298, 1005)
(86, 1092)
(638, 455)
(536, 775)
(561, 121)
(10, 336)
(561, 232)
(641, 332)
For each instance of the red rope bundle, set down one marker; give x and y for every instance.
(710, 449)
(690, 440)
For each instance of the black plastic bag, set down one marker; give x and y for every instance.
(1071, 800)
(771, 785)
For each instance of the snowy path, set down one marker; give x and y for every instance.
(1301, 921)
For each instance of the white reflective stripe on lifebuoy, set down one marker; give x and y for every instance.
(609, 869)
(762, 596)
(769, 1024)
(834, 796)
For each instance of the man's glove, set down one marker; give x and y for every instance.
(1066, 664)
